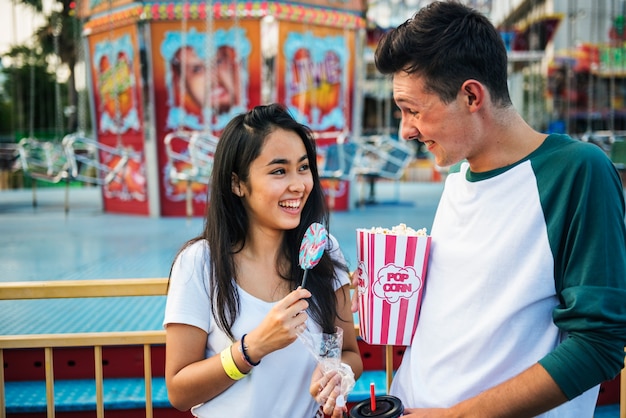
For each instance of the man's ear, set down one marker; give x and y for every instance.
(235, 185)
(474, 93)
(471, 97)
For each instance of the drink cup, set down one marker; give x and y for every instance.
(387, 406)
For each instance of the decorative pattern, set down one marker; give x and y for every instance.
(227, 10)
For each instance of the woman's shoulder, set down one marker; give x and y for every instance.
(194, 249)
(334, 249)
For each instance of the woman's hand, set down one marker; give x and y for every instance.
(281, 325)
(325, 388)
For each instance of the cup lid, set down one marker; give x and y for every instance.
(387, 406)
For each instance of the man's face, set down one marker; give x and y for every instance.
(442, 127)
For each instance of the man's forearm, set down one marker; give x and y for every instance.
(526, 395)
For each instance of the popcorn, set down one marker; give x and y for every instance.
(391, 273)
(400, 229)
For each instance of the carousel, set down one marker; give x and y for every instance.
(166, 77)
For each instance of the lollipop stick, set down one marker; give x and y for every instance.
(304, 278)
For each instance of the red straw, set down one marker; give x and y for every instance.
(372, 397)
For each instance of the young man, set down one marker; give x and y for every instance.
(524, 310)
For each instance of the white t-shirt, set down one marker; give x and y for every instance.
(490, 292)
(279, 386)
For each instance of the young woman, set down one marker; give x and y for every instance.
(235, 305)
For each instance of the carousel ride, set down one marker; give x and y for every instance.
(165, 78)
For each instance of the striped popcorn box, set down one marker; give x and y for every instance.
(391, 272)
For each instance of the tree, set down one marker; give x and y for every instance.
(60, 37)
(33, 89)
(56, 40)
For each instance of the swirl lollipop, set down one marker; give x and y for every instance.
(312, 247)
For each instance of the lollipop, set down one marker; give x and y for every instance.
(312, 247)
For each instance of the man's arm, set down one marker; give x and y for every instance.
(526, 395)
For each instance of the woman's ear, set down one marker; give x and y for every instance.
(235, 185)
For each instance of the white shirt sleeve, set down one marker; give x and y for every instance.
(335, 253)
(188, 296)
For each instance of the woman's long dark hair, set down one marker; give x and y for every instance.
(226, 221)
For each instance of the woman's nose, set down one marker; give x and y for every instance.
(297, 185)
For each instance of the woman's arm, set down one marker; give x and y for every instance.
(192, 379)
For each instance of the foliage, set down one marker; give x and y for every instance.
(30, 84)
(30, 92)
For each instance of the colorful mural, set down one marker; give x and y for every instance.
(159, 55)
(200, 83)
(316, 77)
(118, 111)
(116, 85)
(193, 102)
(315, 69)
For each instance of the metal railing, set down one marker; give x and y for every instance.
(97, 340)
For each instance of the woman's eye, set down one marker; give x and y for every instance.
(278, 171)
(304, 167)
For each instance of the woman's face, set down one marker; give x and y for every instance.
(279, 183)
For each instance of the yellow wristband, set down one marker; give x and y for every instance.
(228, 363)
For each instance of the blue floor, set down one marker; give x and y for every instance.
(45, 243)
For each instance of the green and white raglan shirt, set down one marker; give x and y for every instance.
(527, 265)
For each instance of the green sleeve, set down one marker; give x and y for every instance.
(584, 210)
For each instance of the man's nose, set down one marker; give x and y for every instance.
(408, 132)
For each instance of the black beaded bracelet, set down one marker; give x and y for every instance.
(247, 358)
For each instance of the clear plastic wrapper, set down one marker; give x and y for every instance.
(326, 349)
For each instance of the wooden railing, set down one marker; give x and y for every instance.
(97, 340)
